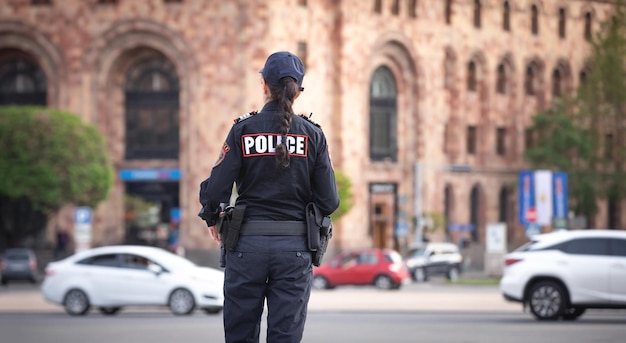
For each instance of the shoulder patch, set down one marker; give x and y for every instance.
(245, 116)
(308, 118)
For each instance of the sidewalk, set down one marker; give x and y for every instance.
(423, 297)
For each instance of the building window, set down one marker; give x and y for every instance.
(303, 53)
(107, 2)
(562, 23)
(448, 71)
(503, 211)
(41, 2)
(395, 7)
(608, 146)
(302, 3)
(173, 1)
(530, 79)
(529, 138)
(534, 20)
(383, 114)
(471, 76)
(501, 141)
(477, 10)
(587, 33)
(582, 77)
(501, 80)
(506, 16)
(412, 7)
(475, 207)
(152, 106)
(378, 6)
(556, 83)
(22, 83)
(448, 11)
(471, 140)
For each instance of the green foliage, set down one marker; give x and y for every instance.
(585, 134)
(52, 158)
(344, 187)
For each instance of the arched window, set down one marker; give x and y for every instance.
(503, 206)
(395, 7)
(506, 16)
(587, 33)
(448, 206)
(474, 210)
(501, 80)
(22, 83)
(378, 6)
(534, 20)
(530, 79)
(383, 113)
(152, 105)
(448, 11)
(412, 8)
(477, 14)
(562, 23)
(471, 76)
(556, 83)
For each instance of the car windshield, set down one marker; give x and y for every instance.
(16, 255)
(418, 252)
(394, 257)
(172, 261)
(527, 246)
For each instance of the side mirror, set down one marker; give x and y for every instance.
(155, 268)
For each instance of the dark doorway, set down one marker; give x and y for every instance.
(148, 212)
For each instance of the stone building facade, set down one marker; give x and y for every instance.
(426, 104)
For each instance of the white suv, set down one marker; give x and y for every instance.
(433, 259)
(563, 273)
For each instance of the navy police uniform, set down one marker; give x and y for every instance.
(276, 267)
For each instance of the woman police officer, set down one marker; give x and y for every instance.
(279, 162)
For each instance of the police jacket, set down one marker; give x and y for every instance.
(268, 191)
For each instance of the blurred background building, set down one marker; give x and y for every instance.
(426, 104)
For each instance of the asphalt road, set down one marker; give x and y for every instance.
(341, 327)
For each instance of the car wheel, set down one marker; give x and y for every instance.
(212, 310)
(383, 282)
(109, 311)
(181, 302)
(320, 282)
(419, 274)
(76, 302)
(453, 274)
(547, 300)
(573, 313)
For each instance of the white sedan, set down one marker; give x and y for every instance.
(111, 277)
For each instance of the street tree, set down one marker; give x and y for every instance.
(584, 134)
(48, 159)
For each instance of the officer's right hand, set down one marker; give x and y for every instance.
(214, 234)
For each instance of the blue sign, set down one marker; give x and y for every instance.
(532, 229)
(559, 195)
(526, 192)
(82, 215)
(150, 174)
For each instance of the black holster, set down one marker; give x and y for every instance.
(229, 227)
(319, 232)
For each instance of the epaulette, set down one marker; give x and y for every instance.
(245, 116)
(308, 118)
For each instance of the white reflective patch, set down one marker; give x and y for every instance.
(265, 144)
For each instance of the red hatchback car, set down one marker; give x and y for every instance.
(383, 268)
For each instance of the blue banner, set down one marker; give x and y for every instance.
(150, 174)
(559, 194)
(526, 194)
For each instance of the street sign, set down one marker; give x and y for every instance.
(82, 228)
(532, 229)
(531, 215)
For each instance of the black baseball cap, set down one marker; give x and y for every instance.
(281, 64)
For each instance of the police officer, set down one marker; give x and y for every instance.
(279, 162)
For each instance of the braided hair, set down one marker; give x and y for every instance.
(285, 95)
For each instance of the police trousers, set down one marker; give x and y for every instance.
(272, 269)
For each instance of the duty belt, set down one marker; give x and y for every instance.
(273, 228)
